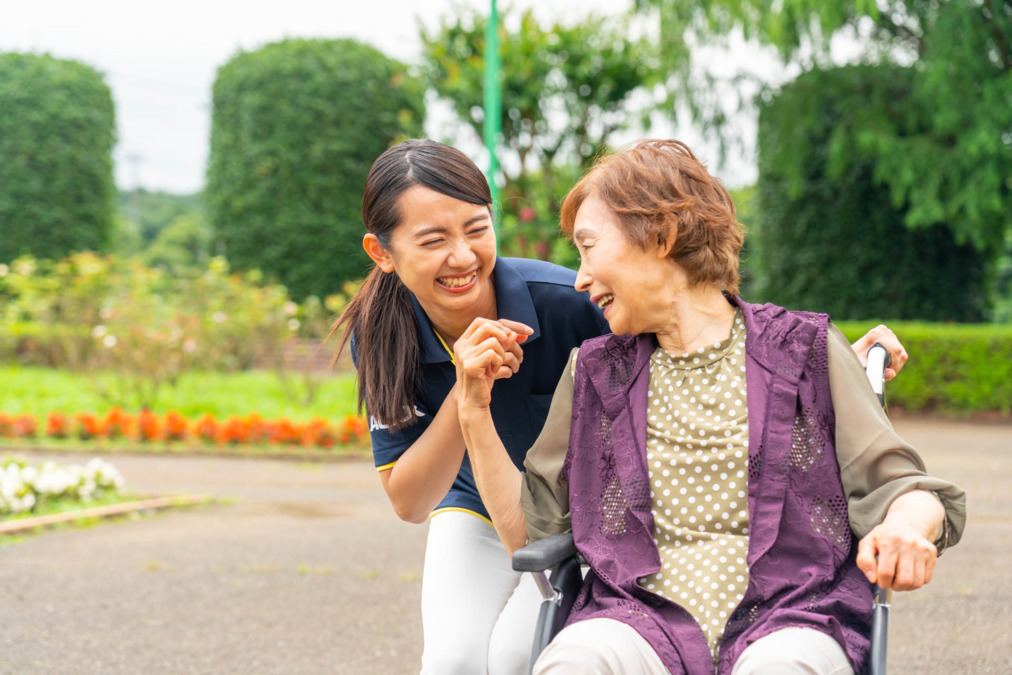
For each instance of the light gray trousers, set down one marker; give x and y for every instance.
(608, 647)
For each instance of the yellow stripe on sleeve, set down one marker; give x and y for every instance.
(455, 508)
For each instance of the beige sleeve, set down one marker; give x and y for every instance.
(876, 465)
(545, 495)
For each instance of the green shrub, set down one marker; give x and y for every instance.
(296, 126)
(89, 312)
(57, 127)
(829, 235)
(953, 369)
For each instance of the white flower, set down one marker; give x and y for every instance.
(219, 317)
(293, 324)
(27, 502)
(109, 341)
(98, 331)
(23, 485)
(29, 474)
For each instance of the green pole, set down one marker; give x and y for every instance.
(492, 125)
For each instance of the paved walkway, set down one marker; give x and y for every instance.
(305, 569)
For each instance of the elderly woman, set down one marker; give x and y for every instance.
(716, 461)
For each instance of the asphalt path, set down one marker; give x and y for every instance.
(304, 568)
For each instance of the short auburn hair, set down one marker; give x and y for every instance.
(658, 190)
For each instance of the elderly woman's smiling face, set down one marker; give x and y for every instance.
(630, 283)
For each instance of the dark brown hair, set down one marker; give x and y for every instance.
(380, 316)
(659, 190)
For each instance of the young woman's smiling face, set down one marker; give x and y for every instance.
(443, 250)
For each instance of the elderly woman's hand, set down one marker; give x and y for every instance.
(888, 339)
(487, 351)
(898, 553)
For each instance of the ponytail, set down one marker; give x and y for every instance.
(387, 348)
(380, 317)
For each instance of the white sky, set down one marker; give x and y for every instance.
(160, 59)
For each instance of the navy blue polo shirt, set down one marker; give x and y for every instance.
(532, 292)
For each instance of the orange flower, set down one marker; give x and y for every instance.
(177, 427)
(6, 424)
(319, 432)
(57, 425)
(117, 423)
(233, 431)
(25, 426)
(353, 429)
(284, 431)
(258, 428)
(88, 426)
(149, 426)
(207, 428)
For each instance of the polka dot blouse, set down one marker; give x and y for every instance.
(697, 454)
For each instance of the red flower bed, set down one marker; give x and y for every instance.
(147, 426)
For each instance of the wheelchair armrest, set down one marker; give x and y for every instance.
(544, 553)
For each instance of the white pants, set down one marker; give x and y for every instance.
(609, 647)
(478, 615)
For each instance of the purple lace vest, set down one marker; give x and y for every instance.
(801, 549)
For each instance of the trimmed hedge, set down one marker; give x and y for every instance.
(295, 128)
(956, 369)
(57, 128)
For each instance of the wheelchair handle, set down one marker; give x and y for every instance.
(544, 553)
(878, 361)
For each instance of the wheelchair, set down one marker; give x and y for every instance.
(558, 554)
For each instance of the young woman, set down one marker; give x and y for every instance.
(427, 212)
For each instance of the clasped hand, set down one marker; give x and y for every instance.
(487, 351)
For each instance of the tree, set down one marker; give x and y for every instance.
(957, 169)
(566, 89)
(57, 128)
(150, 212)
(296, 126)
(182, 245)
(830, 238)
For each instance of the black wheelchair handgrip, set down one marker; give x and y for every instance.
(544, 553)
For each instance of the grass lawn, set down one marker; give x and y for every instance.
(42, 390)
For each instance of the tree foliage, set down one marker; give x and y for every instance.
(57, 128)
(828, 237)
(566, 89)
(182, 245)
(151, 211)
(296, 126)
(956, 170)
